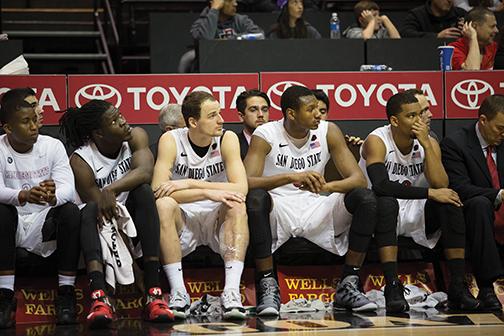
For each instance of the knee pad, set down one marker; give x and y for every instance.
(361, 199)
(388, 210)
(258, 200)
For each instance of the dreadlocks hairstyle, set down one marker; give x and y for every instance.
(78, 124)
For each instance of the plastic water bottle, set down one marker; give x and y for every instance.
(251, 36)
(375, 67)
(334, 26)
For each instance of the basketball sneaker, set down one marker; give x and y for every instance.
(394, 297)
(179, 304)
(348, 296)
(232, 307)
(268, 297)
(8, 305)
(102, 312)
(156, 309)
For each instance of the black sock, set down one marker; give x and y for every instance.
(350, 270)
(265, 274)
(457, 270)
(96, 281)
(151, 274)
(390, 271)
(7, 293)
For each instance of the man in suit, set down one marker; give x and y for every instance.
(253, 108)
(474, 160)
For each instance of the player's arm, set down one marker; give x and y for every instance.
(433, 166)
(254, 165)
(161, 180)
(88, 190)
(142, 162)
(374, 151)
(345, 163)
(62, 183)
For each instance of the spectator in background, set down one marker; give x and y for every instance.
(170, 118)
(218, 21)
(436, 18)
(477, 48)
(370, 24)
(323, 103)
(493, 5)
(290, 24)
(253, 108)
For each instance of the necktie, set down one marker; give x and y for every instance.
(499, 215)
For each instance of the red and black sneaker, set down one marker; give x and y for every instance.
(156, 308)
(101, 313)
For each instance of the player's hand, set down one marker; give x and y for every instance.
(452, 32)
(353, 140)
(469, 32)
(107, 204)
(310, 180)
(445, 195)
(421, 132)
(50, 188)
(227, 197)
(217, 4)
(165, 189)
(35, 195)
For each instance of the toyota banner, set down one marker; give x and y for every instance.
(352, 95)
(51, 91)
(356, 95)
(465, 91)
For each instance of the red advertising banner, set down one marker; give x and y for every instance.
(140, 97)
(356, 95)
(50, 91)
(466, 90)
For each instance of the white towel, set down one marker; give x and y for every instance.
(116, 256)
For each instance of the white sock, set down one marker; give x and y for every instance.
(234, 271)
(175, 277)
(66, 280)
(7, 282)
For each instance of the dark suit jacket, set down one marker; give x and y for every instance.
(243, 145)
(466, 166)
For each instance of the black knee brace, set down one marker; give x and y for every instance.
(362, 204)
(258, 209)
(386, 226)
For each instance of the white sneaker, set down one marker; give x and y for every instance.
(179, 303)
(232, 307)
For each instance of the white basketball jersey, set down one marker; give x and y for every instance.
(407, 169)
(285, 157)
(190, 165)
(107, 170)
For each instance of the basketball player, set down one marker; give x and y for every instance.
(113, 164)
(285, 166)
(403, 164)
(200, 186)
(36, 205)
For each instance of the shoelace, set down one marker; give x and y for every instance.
(269, 289)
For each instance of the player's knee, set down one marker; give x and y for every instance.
(166, 206)
(143, 193)
(479, 204)
(238, 211)
(388, 209)
(8, 213)
(362, 199)
(258, 200)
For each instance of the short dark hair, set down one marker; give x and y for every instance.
(241, 100)
(290, 97)
(364, 5)
(415, 92)
(491, 106)
(191, 106)
(478, 14)
(13, 101)
(78, 124)
(395, 103)
(321, 95)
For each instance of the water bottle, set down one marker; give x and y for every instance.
(251, 36)
(334, 26)
(375, 67)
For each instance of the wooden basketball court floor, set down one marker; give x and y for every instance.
(414, 323)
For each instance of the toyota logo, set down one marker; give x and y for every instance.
(98, 91)
(466, 94)
(276, 90)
